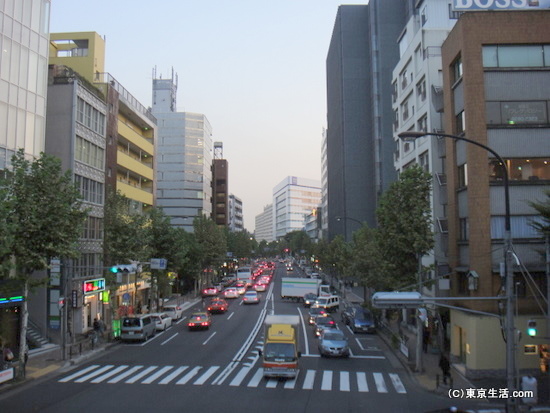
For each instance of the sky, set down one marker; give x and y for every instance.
(254, 68)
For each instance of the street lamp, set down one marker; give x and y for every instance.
(338, 218)
(509, 276)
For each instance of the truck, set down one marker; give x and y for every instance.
(296, 288)
(280, 351)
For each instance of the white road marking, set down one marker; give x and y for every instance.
(141, 374)
(237, 380)
(272, 383)
(362, 382)
(380, 383)
(155, 376)
(189, 375)
(397, 383)
(125, 374)
(208, 339)
(78, 374)
(326, 384)
(230, 315)
(109, 374)
(167, 340)
(308, 382)
(344, 381)
(93, 374)
(202, 379)
(359, 343)
(173, 375)
(290, 383)
(257, 378)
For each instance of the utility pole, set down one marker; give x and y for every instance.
(419, 331)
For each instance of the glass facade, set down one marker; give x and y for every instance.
(24, 39)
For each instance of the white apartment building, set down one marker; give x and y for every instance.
(264, 225)
(293, 199)
(235, 214)
(418, 105)
(24, 42)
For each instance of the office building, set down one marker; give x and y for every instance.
(184, 160)
(264, 225)
(497, 93)
(361, 56)
(293, 199)
(236, 222)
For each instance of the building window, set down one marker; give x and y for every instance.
(521, 227)
(460, 123)
(463, 176)
(421, 90)
(423, 123)
(516, 56)
(521, 169)
(394, 92)
(403, 76)
(424, 161)
(457, 70)
(464, 234)
(405, 110)
(424, 16)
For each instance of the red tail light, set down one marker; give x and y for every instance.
(222, 308)
(209, 309)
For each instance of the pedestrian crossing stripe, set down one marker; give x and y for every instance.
(325, 380)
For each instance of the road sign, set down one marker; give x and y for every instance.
(55, 265)
(397, 300)
(158, 263)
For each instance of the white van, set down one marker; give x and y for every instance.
(137, 328)
(330, 303)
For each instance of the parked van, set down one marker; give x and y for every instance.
(140, 328)
(330, 303)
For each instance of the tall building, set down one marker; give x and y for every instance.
(417, 97)
(362, 54)
(293, 199)
(131, 128)
(23, 77)
(497, 93)
(76, 134)
(264, 225)
(236, 222)
(184, 160)
(24, 39)
(324, 188)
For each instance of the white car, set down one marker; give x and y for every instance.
(251, 297)
(162, 321)
(174, 311)
(231, 292)
(259, 287)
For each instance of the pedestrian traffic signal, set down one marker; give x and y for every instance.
(532, 328)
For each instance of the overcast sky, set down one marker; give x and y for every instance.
(255, 68)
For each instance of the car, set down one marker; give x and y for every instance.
(199, 321)
(241, 288)
(259, 287)
(359, 319)
(251, 297)
(230, 292)
(333, 343)
(314, 312)
(140, 327)
(174, 311)
(209, 291)
(162, 321)
(309, 299)
(323, 323)
(217, 305)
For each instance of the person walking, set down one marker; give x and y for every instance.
(445, 367)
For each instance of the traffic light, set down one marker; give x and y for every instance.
(123, 268)
(532, 328)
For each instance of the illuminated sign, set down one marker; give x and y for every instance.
(94, 286)
(15, 299)
(464, 5)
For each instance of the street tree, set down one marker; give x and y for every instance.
(543, 208)
(44, 219)
(404, 226)
(211, 240)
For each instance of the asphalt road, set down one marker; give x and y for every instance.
(219, 370)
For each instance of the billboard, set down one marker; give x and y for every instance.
(465, 5)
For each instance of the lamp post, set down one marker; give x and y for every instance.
(508, 273)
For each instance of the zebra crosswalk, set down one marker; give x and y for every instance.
(247, 376)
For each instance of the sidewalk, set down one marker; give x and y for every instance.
(48, 359)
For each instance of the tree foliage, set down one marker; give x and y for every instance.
(543, 208)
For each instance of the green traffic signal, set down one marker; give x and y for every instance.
(114, 269)
(532, 328)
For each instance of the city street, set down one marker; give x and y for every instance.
(219, 368)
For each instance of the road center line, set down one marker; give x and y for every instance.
(230, 315)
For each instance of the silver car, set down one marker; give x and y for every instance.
(333, 343)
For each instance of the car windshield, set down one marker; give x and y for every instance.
(334, 335)
(362, 315)
(131, 322)
(279, 352)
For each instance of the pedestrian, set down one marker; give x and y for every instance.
(425, 339)
(445, 367)
(97, 329)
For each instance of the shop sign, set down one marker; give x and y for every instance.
(93, 286)
(6, 375)
(465, 5)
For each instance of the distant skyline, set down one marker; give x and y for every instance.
(255, 69)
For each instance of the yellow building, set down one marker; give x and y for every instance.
(131, 128)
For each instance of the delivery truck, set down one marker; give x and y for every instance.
(296, 288)
(280, 351)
